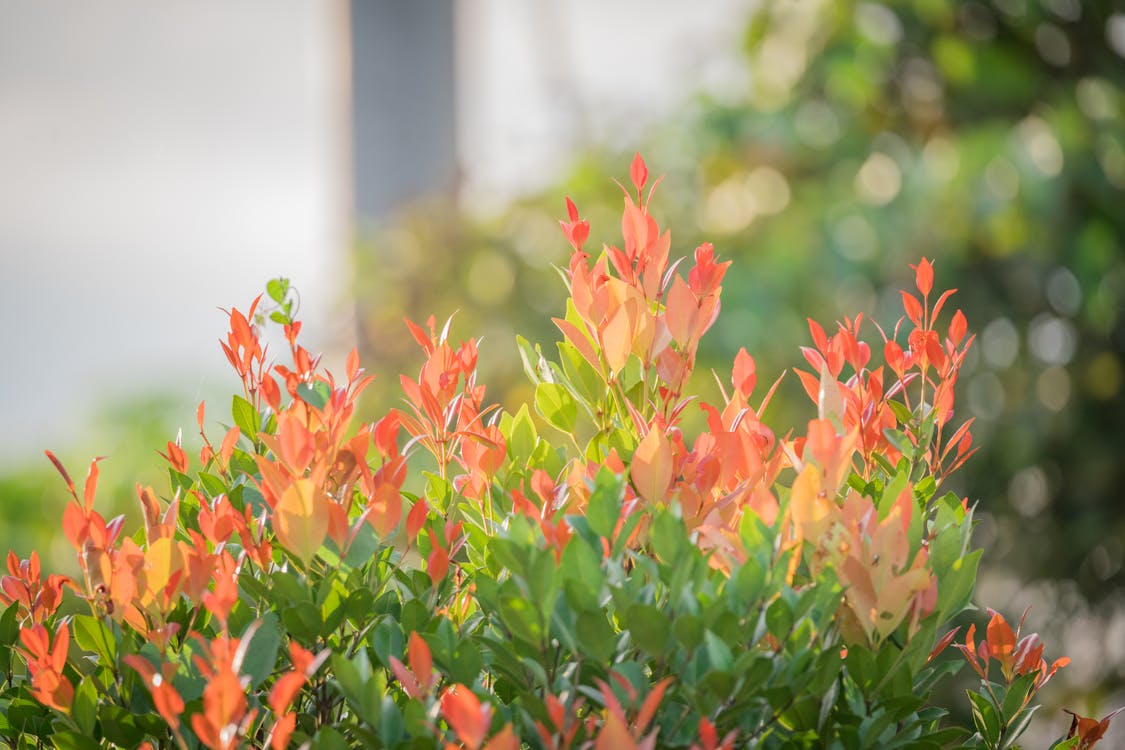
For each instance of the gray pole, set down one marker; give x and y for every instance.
(403, 104)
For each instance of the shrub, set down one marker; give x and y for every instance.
(454, 575)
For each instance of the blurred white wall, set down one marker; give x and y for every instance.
(160, 160)
(539, 78)
(157, 161)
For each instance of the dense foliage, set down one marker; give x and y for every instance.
(986, 134)
(592, 576)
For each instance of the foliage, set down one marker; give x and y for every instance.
(587, 577)
(986, 134)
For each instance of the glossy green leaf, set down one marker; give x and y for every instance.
(555, 404)
(261, 652)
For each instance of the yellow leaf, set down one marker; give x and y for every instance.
(162, 561)
(812, 511)
(301, 519)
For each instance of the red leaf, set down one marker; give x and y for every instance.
(61, 470)
(924, 276)
(416, 519)
(648, 708)
(913, 307)
(957, 328)
(408, 681)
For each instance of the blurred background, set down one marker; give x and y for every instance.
(158, 163)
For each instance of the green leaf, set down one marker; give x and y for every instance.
(669, 536)
(984, 718)
(649, 628)
(211, 484)
(316, 395)
(302, 620)
(391, 724)
(73, 741)
(555, 404)
(245, 417)
(596, 636)
(363, 688)
(581, 570)
(387, 639)
(329, 739)
(521, 436)
(1015, 695)
(1017, 726)
(901, 412)
(533, 363)
(9, 625)
(84, 709)
(119, 726)
(899, 440)
(261, 653)
(521, 617)
(718, 652)
(748, 582)
(466, 664)
(779, 619)
(93, 635)
(277, 289)
(688, 630)
(415, 616)
(604, 506)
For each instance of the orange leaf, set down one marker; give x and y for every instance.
(466, 716)
(301, 519)
(913, 307)
(744, 373)
(681, 311)
(229, 441)
(282, 731)
(651, 469)
(957, 328)
(505, 740)
(638, 172)
(91, 483)
(617, 339)
(614, 735)
(421, 662)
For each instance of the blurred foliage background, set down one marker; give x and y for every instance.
(988, 136)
